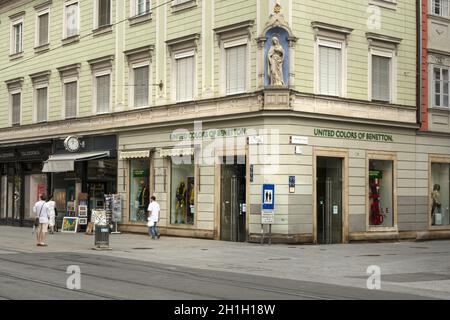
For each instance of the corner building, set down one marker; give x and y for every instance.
(186, 93)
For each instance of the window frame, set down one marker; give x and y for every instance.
(134, 8)
(96, 74)
(36, 87)
(68, 4)
(65, 81)
(232, 43)
(433, 87)
(42, 11)
(385, 53)
(13, 44)
(336, 44)
(433, 12)
(178, 55)
(382, 156)
(11, 106)
(133, 66)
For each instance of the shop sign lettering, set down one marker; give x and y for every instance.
(354, 135)
(213, 133)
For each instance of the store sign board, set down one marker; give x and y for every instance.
(299, 140)
(123, 155)
(211, 133)
(139, 173)
(354, 135)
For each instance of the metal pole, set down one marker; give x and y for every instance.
(262, 234)
(270, 234)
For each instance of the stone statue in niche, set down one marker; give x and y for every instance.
(275, 63)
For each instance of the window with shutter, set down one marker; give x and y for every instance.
(142, 7)
(141, 86)
(441, 7)
(381, 78)
(41, 95)
(330, 71)
(185, 78)
(72, 16)
(43, 29)
(15, 104)
(236, 69)
(70, 99)
(103, 93)
(17, 37)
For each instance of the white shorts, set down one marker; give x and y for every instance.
(43, 227)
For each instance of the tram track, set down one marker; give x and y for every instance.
(210, 280)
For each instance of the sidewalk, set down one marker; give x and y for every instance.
(408, 267)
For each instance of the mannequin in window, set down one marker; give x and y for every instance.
(143, 200)
(190, 218)
(181, 203)
(436, 197)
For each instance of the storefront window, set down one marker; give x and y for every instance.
(440, 176)
(139, 189)
(35, 186)
(381, 186)
(182, 200)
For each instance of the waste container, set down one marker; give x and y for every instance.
(102, 235)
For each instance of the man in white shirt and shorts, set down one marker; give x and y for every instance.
(40, 209)
(153, 218)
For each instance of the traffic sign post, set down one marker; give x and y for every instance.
(267, 213)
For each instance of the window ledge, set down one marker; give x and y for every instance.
(70, 40)
(15, 56)
(184, 6)
(384, 4)
(440, 18)
(102, 30)
(140, 19)
(42, 48)
(439, 109)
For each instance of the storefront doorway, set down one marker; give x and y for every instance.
(329, 200)
(233, 201)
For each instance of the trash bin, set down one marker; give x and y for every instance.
(102, 235)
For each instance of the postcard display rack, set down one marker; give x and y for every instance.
(113, 208)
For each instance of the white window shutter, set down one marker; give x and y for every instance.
(236, 69)
(41, 104)
(185, 78)
(16, 108)
(43, 29)
(141, 86)
(330, 70)
(103, 94)
(70, 99)
(381, 78)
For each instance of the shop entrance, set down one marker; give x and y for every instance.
(329, 184)
(233, 207)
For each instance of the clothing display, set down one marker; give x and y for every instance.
(376, 216)
(181, 203)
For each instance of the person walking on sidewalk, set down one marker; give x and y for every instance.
(51, 204)
(40, 209)
(153, 217)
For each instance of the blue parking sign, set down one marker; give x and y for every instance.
(268, 201)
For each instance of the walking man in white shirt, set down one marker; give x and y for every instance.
(40, 209)
(153, 216)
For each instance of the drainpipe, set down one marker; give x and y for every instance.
(419, 62)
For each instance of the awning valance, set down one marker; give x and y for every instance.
(66, 162)
(123, 155)
(177, 152)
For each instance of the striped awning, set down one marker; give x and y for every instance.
(124, 155)
(177, 152)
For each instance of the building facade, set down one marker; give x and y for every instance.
(203, 103)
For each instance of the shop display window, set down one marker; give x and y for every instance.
(3, 196)
(440, 194)
(182, 199)
(381, 195)
(35, 186)
(139, 189)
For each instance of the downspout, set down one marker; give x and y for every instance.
(419, 62)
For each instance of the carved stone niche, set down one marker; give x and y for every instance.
(277, 25)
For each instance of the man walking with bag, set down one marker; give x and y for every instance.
(40, 210)
(153, 217)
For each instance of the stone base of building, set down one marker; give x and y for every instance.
(283, 238)
(173, 232)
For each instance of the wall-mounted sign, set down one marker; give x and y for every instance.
(140, 173)
(251, 173)
(255, 140)
(354, 135)
(299, 140)
(267, 217)
(268, 195)
(212, 133)
(291, 184)
(298, 150)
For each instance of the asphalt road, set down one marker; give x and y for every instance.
(43, 276)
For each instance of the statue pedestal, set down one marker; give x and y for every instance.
(276, 98)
